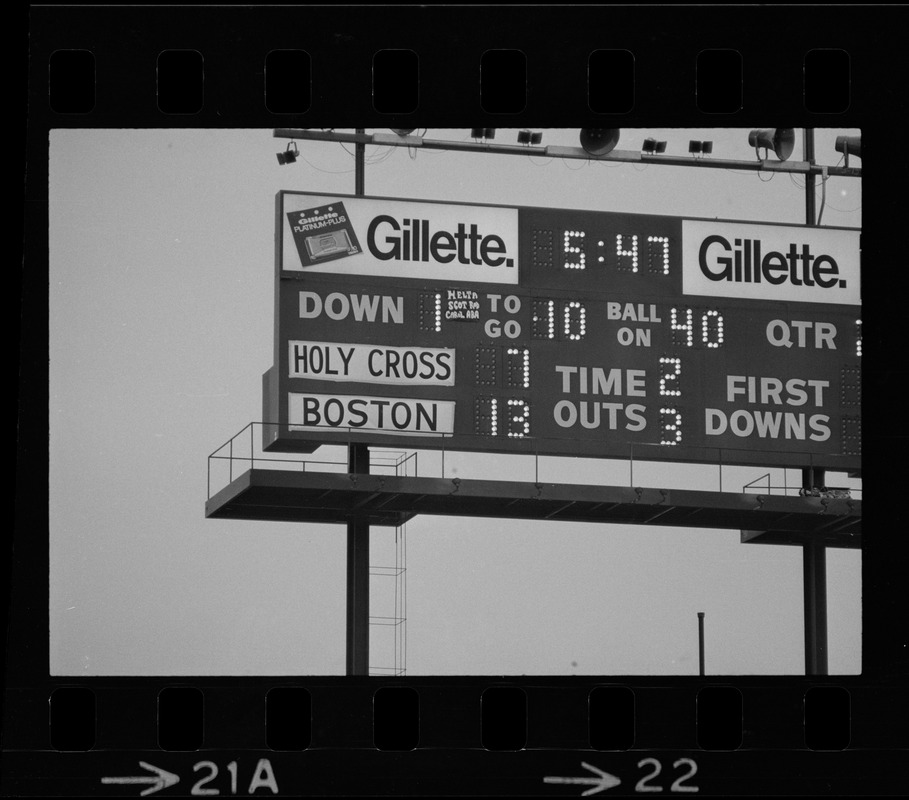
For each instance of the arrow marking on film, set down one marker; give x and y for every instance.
(162, 780)
(605, 781)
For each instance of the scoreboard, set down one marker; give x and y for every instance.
(563, 332)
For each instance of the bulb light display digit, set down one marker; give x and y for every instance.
(671, 427)
(631, 254)
(669, 377)
(659, 263)
(519, 424)
(543, 319)
(519, 367)
(575, 318)
(712, 329)
(573, 247)
(681, 323)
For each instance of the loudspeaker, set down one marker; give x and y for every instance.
(780, 140)
(849, 145)
(599, 141)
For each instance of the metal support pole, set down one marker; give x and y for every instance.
(358, 527)
(814, 576)
(359, 166)
(815, 580)
(701, 641)
(808, 148)
(814, 555)
(358, 575)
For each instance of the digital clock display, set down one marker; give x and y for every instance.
(566, 332)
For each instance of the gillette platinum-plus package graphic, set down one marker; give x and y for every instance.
(323, 234)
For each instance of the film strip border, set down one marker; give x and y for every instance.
(496, 718)
(451, 738)
(502, 81)
(391, 65)
(100, 67)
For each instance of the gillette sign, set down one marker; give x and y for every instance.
(392, 238)
(771, 262)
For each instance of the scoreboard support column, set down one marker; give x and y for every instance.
(814, 572)
(814, 554)
(358, 527)
(358, 575)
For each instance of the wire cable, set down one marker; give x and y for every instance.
(327, 171)
(844, 210)
(820, 213)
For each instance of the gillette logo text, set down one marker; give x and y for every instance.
(783, 263)
(742, 261)
(389, 239)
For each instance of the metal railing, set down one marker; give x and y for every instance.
(796, 490)
(246, 450)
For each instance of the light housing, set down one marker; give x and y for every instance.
(529, 137)
(483, 133)
(653, 146)
(289, 156)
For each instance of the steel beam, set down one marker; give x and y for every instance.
(391, 500)
(556, 151)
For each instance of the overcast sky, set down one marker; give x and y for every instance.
(161, 325)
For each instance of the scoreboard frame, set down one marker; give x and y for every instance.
(561, 332)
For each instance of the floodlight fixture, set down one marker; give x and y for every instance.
(849, 146)
(483, 133)
(653, 146)
(780, 140)
(694, 146)
(529, 137)
(290, 155)
(599, 141)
